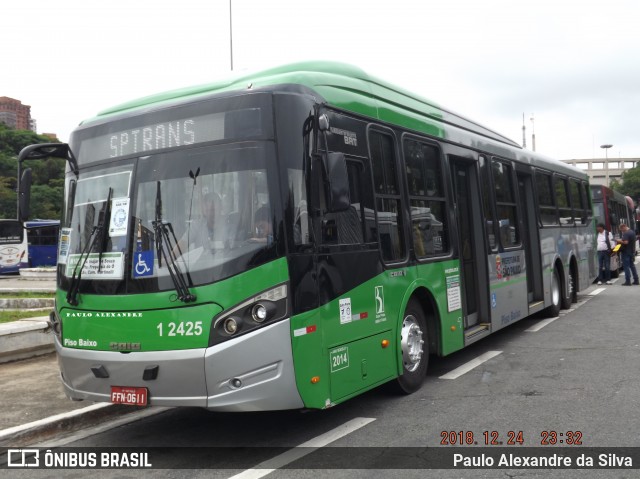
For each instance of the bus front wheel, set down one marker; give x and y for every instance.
(415, 349)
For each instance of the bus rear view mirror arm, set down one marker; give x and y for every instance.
(46, 150)
(24, 196)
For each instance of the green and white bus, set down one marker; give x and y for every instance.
(295, 237)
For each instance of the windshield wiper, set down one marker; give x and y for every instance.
(164, 249)
(100, 230)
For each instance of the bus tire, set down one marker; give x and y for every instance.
(414, 346)
(565, 301)
(556, 295)
(573, 284)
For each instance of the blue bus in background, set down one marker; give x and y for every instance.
(42, 238)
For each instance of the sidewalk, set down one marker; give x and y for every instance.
(25, 338)
(30, 379)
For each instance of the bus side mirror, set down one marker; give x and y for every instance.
(24, 201)
(337, 182)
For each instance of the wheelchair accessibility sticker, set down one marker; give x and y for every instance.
(142, 264)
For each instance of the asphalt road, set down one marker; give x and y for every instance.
(579, 373)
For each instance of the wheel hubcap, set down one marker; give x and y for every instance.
(555, 291)
(411, 343)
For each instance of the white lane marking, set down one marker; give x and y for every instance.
(540, 324)
(474, 363)
(100, 428)
(270, 465)
(596, 291)
(48, 420)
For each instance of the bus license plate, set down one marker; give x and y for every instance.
(130, 396)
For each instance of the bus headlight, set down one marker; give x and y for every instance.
(259, 313)
(253, 313)
(231, 325)
(264, 311)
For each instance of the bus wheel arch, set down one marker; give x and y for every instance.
(417, 338)
(430, 311)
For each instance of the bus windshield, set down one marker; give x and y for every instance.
(213, 202)
(218, 210)
(13, 246)
(11, 232)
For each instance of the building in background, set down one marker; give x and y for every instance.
(16, 115)
(602, 171)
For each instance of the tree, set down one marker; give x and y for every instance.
(48, 176)
(630, 184)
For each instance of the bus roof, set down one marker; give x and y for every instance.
(340, 84)
(350, 88)
(37, 223)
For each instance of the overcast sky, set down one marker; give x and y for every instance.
(572, 65)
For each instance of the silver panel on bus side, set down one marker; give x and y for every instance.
(508, 288)
(253, 372)
(180, 380)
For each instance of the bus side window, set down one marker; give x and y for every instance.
(426, 195)
(387, 195)
(486, 189)
(586, 201)
(505, 204)
(579, 213)
(562, 200)
(546, 205)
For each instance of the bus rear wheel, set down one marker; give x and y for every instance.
(415, 349)
(556, 295)
(567, 296)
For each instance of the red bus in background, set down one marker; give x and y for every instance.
(633, 220)
(612, 209)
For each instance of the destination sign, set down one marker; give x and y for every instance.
(171, 134)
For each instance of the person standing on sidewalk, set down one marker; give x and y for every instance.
(628, 254)
(605, 239)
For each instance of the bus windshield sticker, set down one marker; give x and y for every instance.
(345, 310)
(119, 217)
(454, 298)
(63, 245)
(111, 266)
(339, 358)
(143, 264)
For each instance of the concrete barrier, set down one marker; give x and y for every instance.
(26, 303)
(38, 273)
(25, 338)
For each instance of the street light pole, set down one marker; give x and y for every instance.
(606, 148)
(231, 35)
(533, 133)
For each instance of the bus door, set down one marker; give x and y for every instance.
(530, 239)
(471, 245)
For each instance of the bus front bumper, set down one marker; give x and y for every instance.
(253, 372)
